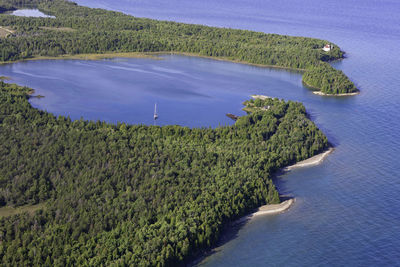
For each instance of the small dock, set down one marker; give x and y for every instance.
(231, 116)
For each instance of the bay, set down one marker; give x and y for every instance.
(188, 91)
(346, 211)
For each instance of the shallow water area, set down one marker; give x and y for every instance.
(30, 13)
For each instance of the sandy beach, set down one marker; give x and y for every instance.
(317, 159)
(262, 97)
(324, 94)
(273, 208)
(267, 209)
(285, 205)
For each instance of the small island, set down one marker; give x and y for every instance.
(74, 30)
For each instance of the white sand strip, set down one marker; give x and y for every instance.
(262, 97)
(317, 159)
(324, 94)
(274, 208)
(267, 209)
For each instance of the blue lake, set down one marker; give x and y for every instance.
(189, 91)
(347, 209)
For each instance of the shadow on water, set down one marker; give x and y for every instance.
(228, 233)
(232, 229)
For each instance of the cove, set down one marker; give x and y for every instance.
(346, 208)
(189, 91)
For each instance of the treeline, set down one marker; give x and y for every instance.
(135, 195)
(100, 31)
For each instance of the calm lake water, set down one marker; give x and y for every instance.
(347, 210)
(189, 91)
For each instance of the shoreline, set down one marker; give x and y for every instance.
(154, 55)
(262, 97)
(228, 60)
(344, 94)
(273, 208)
(110, 55)
(91, 56)
(5, 78)
(317, 91)
(315, 160)
(268, 209)
(285, 205)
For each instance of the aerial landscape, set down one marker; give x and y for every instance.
(240, 133)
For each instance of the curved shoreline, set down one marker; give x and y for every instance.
(267, 210)
(154, 55)
(273, 208)
(317, 91)
(315, 160)
(285, 205)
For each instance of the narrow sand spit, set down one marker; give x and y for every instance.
(311, 161)
(267, 209)
(324, 94)
(285, 205)
(273, 208)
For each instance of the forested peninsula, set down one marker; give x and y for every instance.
(81, 30)
(133, 194)
(93, 193)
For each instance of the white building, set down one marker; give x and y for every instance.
(327, 47)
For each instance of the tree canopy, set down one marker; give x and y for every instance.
(135, 194)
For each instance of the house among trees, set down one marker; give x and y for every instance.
(327, 47)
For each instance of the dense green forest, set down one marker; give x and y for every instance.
(328, 79)
(133, 194)
(100, 31)
(139, 195)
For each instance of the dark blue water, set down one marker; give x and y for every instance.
(347, 211)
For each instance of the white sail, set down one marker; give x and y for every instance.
(155, 111)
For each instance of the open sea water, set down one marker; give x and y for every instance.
(347, 211)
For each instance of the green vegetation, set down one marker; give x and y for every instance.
(9, 211)
(258, 104)
(328, 80)
(101, 31)
(92, 193)
(135, 195)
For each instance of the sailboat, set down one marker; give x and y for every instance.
(155, 111)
